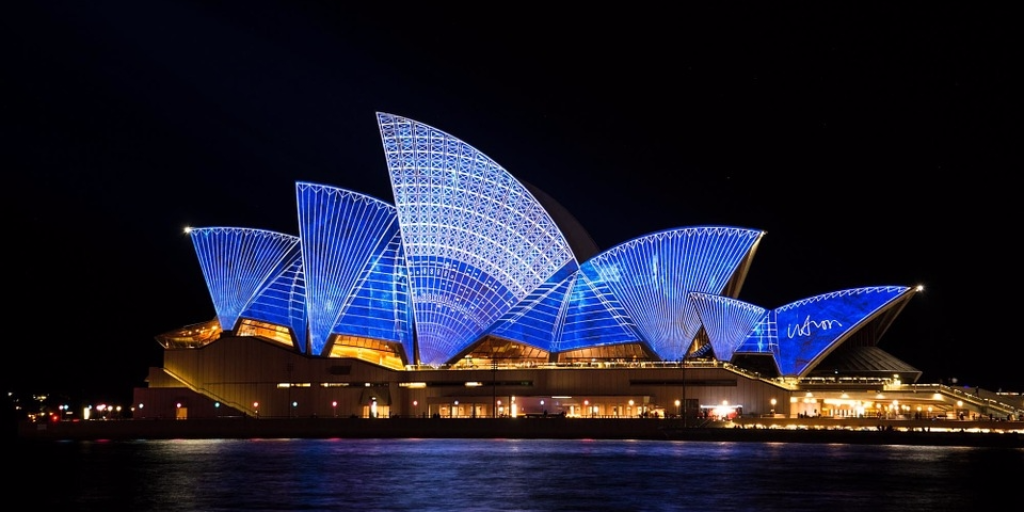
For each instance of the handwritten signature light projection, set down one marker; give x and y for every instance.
(237, 263)
(652, 276)
(808, 329)
(726, 321)
(476, 241)
(343, 233)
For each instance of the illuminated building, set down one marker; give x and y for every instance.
(473, 294)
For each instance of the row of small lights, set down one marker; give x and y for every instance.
(415, 403)
(87, 412)
(809, 398)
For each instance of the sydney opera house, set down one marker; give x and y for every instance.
(472, 294)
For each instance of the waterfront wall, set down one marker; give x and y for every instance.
(811, 430)
(242, 428)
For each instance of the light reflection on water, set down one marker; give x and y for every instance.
(449, 474)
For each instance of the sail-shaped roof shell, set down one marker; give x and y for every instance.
(802, 333)
(343, 233)
(726, 321)
(476, 241)
(237, 263)
(651, 276)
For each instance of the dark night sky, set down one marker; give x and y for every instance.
(871, 143)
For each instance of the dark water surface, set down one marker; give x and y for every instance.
(449, 474)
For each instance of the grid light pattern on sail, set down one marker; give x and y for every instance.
(283, 301)
(476, 241)
(726, 321)
(237, 263)
(810, 327)
(342, 232)
(652, 276)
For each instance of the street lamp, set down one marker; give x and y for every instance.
(334, 407)
(677, 407)
(256, 409)
(773, 406)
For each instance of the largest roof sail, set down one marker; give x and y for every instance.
(476, 241)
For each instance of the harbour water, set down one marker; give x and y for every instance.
(508, 475)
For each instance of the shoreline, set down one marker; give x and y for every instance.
(496, 428)
(840, 436)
